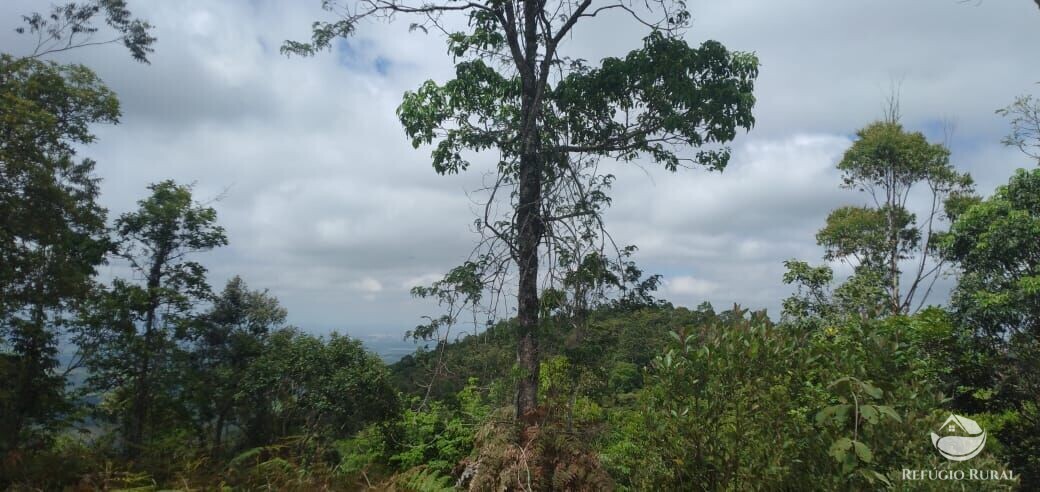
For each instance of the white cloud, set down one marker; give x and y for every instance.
(368, 284)
(686, 286)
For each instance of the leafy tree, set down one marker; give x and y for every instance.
(551, 119)
(302, 385)
(225, 342)
(52, 231)
(130, 336)
(887, 163)
(52, 235)
(995, 244)
(997, 298)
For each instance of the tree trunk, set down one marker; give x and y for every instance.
(893, 262)
(529, 220)
(31, 373)
(142, 392)
(895, 303)
(218, 435)
(140, 409)
(893, 273)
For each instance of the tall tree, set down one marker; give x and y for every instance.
(130, 336)
(551, 119)
(52, 231)
(888, 163)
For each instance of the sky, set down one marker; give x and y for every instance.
(328, 206)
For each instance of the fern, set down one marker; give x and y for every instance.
(422, 479)
(254, 454)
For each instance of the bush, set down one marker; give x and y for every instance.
(747, 405)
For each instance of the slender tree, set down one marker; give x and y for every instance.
(887, 163)
(130, 334)
(551, 119)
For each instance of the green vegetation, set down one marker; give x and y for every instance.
(595, 384)
(53, 234)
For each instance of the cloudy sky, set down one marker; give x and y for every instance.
(327, 205)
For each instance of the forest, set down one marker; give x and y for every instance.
(553, 360)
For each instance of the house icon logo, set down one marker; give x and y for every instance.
(959, 438)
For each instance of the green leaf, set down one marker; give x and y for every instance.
(871, 390)
(833, 413)
(839, 449)
(888, 412)
(869, 413)
(863, 452)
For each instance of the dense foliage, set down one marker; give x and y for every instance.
(53, 234)
(998, 301)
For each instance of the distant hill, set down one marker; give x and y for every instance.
(612, 339)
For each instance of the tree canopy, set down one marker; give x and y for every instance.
(53, 235)
(890, 164)
(549, 119)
